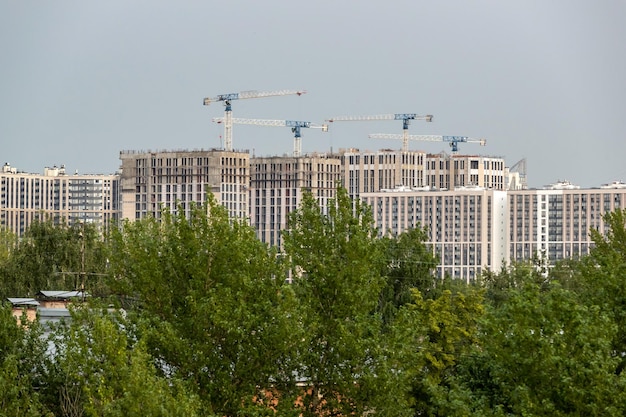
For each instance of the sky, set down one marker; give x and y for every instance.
(543, 81)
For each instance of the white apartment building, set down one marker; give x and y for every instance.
(153, 180)
(554, 222)
(276, 189)
(472, 228)
(56, 195)
(467, 228)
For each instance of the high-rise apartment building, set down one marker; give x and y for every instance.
(471, 228)
(151, 181)
(57, 196)
(387, 169)
(554, 222)
(276, 189)
(467, 228)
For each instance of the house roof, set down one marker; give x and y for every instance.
(63, 295)
(23, 302)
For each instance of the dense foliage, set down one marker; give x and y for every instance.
(193, 316)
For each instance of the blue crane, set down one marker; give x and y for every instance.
(227, 98)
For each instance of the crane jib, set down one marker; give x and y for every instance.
(226, 97)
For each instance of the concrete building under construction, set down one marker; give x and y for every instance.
(156, 180)
(277, 184)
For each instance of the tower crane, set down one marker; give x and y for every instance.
(454, 140)
(295, 126)
(227, 98)
(405, 117)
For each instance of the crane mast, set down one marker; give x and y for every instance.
(453, 140)
(295, 126)
(228, 116)
(405, 117)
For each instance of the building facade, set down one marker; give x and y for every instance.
(152, 181)
(371, 171)
(55, 195)
(277, 180)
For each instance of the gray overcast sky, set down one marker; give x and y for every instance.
(541, 80)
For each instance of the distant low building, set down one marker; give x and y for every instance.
(59, 299)
(21, 306)
(48, 306)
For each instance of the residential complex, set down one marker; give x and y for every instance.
(369, 171)
(477, 211)
(555, 221)
(445, 171)
(58, 196)
(277, 182)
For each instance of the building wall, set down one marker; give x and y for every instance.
(151, 181)
(75, 198)
(281, 179)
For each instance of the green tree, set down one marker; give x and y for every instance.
(8, 241)
(22, 353)
(500, 285)
(409, 264)
(433, 337)
(100, 367)
(336, 262)
(541, 352)
(52, 257)
(600, 277)
(219, 311)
